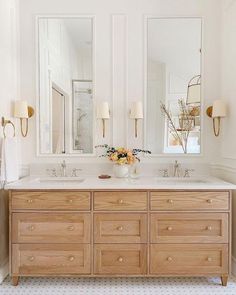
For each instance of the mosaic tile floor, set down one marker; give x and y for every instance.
(118, 286)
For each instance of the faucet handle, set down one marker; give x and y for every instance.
(164, 172)
(187, 172)
(74, 172)
(52, 172)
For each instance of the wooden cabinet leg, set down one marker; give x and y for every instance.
(15, 281)
(224, 280)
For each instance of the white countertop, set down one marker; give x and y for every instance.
(144, 183)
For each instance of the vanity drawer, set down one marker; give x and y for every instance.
(62, 259)
(53, 200)
(184, 200)
(120, 259)
(51, 227)
(120, 228)
(122, 201)
(189, 228)
(198, 259)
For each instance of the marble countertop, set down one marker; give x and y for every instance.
(144, 183)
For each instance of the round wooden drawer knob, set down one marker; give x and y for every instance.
(120, 259)
(71, 228)
(170, 201)
(71, 258)
(31, 258)
(169, 228)
(29, 201)
(209, 201)
(209, 228)
(209, 259)
(120, 201)
(31, 227)
(70, 201)
(169, 258)
(120, 228)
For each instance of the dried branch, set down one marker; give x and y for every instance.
(185, 121)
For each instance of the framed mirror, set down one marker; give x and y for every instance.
(173, 85)
(65, 79)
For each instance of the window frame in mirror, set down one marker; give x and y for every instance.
(37, 59)
(145, 90)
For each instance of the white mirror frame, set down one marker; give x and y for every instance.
(72, 155)
(145, 59)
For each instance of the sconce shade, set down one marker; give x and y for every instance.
(103, 111)
(194, 90)
(136, 111)
(219, 109)
(21, 109)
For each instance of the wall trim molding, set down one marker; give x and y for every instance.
(223, 167)
(4, 271)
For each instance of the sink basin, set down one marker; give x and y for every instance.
(61, 179)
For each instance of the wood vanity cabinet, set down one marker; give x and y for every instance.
(120, 233)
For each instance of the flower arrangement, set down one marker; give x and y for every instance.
(121, 155)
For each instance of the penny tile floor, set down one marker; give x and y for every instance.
(118, 286)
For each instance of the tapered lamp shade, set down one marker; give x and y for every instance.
(136, 111)
(103, 110)
(194, 94)
(219, 109)
(21, 109)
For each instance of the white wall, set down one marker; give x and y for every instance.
(8, 93)
(119, 52)
(226, 163)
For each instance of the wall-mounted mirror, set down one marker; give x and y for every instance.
(173, 94)
(65, 65)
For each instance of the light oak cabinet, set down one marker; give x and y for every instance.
(120, 233)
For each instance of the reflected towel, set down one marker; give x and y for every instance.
(9, 160)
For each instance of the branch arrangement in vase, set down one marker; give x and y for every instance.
(186, 122)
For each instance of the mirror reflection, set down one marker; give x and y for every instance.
(65, 85)
(173, 100)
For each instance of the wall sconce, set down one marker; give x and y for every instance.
(217, 111)
(136, 113)
(23, 111)
(103, 113)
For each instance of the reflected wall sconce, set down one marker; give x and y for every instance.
(216, 112)
(23, 112)
(103, 113)
(136, 113)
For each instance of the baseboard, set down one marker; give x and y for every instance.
(4, 271)
(233, 266)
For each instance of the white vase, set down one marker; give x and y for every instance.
(121, 171)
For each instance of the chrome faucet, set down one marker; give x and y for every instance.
(176, 169)
(63, 169)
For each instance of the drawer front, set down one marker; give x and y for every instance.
(50, 228)
(31, 259)
(120, 201)
(189, 201)
(120, 259)
(120, 228)
(50, 200)
(189, 228)
(189, 259)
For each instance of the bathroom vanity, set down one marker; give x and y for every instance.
(117, 228)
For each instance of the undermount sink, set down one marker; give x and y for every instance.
(181, 180)
(61, 179)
